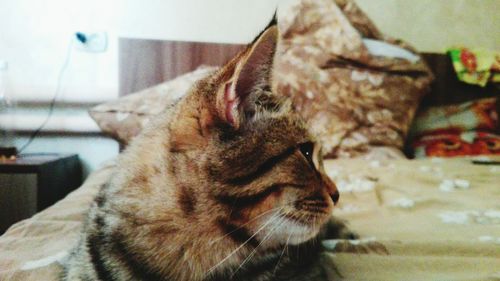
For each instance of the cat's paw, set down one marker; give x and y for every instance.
(337, 229)
(348, 234)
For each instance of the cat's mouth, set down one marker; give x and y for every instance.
(306, 219)
(294, 226)
(292, 230)
(314, 207)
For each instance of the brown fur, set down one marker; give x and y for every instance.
(193, 197)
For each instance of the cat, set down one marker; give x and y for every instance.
(228, 184)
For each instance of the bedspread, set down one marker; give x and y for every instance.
(430, 219)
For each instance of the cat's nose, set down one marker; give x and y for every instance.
(331, 189)
(335, 197)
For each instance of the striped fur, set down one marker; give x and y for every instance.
(215, 189)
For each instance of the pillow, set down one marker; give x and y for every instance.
(124, 118)
(457, 130)
(457, 144)
(473, 115)
(332, 62)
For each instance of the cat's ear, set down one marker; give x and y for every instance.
(251, 74)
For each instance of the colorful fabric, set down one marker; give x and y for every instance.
(474, 115)
(475, 66)
(451, 145)
(457, 130)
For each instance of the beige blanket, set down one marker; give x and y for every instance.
(419, 220)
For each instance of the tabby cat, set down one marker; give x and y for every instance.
(228, 184)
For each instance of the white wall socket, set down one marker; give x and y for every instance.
(96, 42)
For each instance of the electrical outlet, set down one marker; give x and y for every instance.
(92, 42)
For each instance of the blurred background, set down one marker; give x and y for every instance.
(42, 58)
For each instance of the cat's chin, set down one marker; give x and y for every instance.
(289, 231)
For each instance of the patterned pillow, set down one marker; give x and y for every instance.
(457, 144)
(457, 130)
(352, 97)
(473, 115)
(125, 117)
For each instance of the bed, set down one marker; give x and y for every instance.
(411, 226)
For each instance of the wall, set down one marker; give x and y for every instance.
(92, 150)
(430, 25)
(221, 21)
(35, 38)
(433, 26)
(34, 35)
(69, 131)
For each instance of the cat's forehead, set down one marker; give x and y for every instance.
(288, 129)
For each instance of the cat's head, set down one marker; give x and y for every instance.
(244, 159)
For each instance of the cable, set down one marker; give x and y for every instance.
(53, 101)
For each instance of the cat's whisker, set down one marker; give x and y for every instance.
(289, 236)
(248, 222)
(272, 219)
(285, 247)
(261, 242)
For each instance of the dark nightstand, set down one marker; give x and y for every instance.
(32, 182)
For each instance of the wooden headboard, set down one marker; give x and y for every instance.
(144, 63)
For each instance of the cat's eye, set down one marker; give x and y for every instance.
(307, 149)
(312, 152)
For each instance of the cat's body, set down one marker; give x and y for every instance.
(226, 185)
